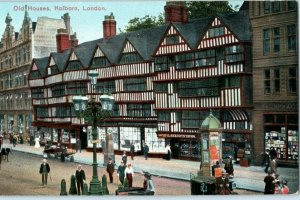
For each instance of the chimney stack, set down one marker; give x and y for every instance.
(62, 40)
(73, 40)
(176, 11)
(66, 19)
(109, 26)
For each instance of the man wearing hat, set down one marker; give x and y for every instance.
(44, 170)
(110, 168)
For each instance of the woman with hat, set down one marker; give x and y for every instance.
(129, 174)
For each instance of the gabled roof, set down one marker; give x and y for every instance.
(60, 59)
(41, 64)
(85, 51)
(239, 24)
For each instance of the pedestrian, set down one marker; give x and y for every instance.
(132, 151)
(121, 172)
(285, 188)
(80, 178)
(78, 145)
(273, 165)
(168, 152)
(216, 165)
(15, 139)
(277, 189)
(269, 183)
(44, 170)
(229, 167)
(273, 153)
(146, 150)
(110, 168)
(124, 158)
(129, 174)
(266, 160)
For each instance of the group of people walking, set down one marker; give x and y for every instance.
(273, 183)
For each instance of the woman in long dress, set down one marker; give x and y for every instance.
(37, 143)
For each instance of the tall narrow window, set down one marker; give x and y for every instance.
(292, 80)
(266, 41)
(277, 80)
(276, 6)
(276, 39)
(267, 85)
(291, 5)
(291, 34)
(267, 7)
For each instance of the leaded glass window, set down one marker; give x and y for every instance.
(135, 84)
(138, 110)
(205, 58)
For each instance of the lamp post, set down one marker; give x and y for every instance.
(92, 112)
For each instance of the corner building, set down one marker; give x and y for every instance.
(165, 80)
(276, 85)
(34, 40)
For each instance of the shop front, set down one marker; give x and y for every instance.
(281, 133)
(184, 146)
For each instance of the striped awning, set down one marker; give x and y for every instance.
(238, 115)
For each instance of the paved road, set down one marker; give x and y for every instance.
(249, 178)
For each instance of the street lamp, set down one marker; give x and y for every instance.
(92, 112)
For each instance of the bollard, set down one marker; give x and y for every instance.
(73, 189)
(63, 188)
(104, 185)
(85, 189)
(125, 184)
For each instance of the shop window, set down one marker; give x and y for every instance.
(276, 39)
(184, 61)
(205, 58)
(106, 87)
(277, 80)
(266, 42)
(128, 136)
(65, 136)
(154, 143)
(267, 81)
(267, 7)
(135, 84)
(291, 36)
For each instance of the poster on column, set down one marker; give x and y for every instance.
(166, 64)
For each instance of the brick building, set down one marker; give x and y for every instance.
(275, 71)
(165, 80)
(34, 40)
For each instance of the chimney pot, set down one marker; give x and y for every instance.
(109, 26)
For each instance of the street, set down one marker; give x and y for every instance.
(20, 176)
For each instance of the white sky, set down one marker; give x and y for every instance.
(87, 24)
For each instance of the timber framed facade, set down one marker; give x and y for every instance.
(165, 80)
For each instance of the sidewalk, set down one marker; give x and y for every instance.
(249, 178)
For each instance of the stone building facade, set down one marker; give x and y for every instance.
(275, 71)
(17, 49)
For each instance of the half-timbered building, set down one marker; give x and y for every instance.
(165, 80)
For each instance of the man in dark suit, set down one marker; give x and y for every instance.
(80, 177)
(44, 170)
